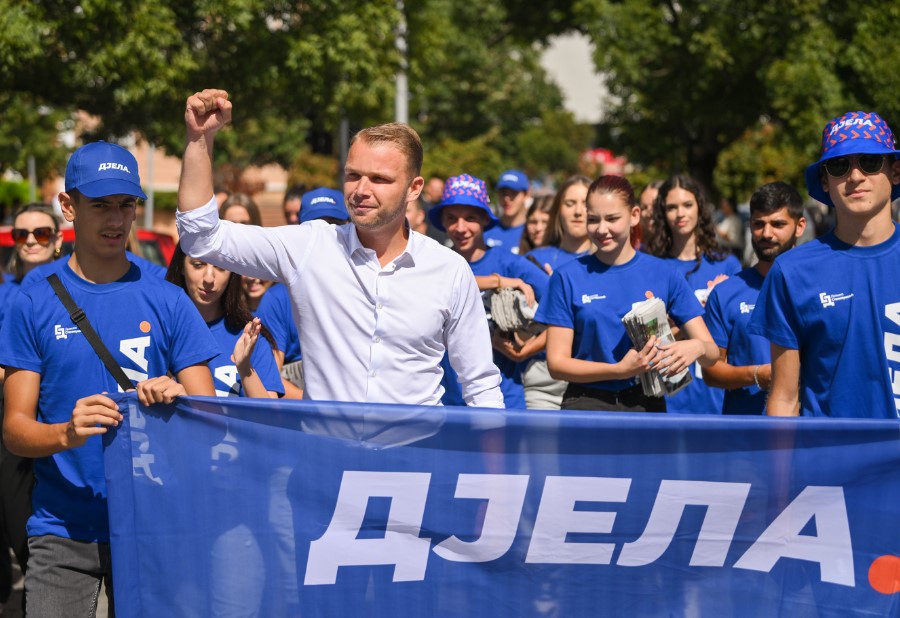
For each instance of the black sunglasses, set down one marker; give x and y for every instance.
(41, 234)
(869, 164)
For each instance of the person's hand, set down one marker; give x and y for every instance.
(718, 279)
(243, 347)
(518, 284)
(548, 268)
(206, 112)
(162, 389)
(506, 346)
(676, 357)
(91, 416)
(636, 362)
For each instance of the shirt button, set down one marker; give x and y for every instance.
(377, 339)
(380, 306)
(373, 374)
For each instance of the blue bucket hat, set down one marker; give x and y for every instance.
(853, 133)
(99, 169)
(513, 179)
(463, 190)
(322, 202)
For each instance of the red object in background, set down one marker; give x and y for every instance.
(155, 246)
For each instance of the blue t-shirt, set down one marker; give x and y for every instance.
(839, 305)
(697, 397)
(591, 298)
(224, 371)
(275, 313)
(45, 270)
(507, 265)
(554, 256)
(8, 290)
(728, 311)
(506, 237)
(150, 327)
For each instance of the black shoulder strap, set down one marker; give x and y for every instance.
(78, 316)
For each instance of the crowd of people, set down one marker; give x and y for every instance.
(397, 290)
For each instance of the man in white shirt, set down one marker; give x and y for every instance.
(376, 305)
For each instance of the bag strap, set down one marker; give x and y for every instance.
(81, 321)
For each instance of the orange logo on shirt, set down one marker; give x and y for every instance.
(145, 326)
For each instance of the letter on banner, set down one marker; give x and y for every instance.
(401, 545)
(505, 494)
(724, 502)
(831, 548)
(557, 517)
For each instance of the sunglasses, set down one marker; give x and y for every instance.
(41, 234)
(869, 164)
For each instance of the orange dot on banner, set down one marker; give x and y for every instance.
(648, 294)
(884, 574)
(145, 326)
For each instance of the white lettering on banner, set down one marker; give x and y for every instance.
(831, 547)
(401, 545)
(506, 497)
(557, 517)
(724, 502)
(140, 464)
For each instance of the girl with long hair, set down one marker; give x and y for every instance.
(586, 341)
(566, 237)
(685, 235)
(537, 220)
(242, 367)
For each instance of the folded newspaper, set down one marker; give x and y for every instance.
(646, 319)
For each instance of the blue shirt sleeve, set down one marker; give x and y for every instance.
(18, 345)
(715, 319)
(775, 316)
(556, 306)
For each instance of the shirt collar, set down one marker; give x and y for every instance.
(353, 244)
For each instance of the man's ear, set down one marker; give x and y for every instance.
(67, 205)
(894, 173)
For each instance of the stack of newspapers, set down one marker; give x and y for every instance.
(646, 319)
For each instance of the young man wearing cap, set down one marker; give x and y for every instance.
(376, 306)
(56, 409)
(464, 212)
(744, 368)
(831, 307)
(514, 189)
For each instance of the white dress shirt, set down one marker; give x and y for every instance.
(368, 334)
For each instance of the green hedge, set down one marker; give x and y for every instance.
(12, 193)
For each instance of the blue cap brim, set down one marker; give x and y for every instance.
(845, 148)
(434, 215)
(317, 212)
(110, 186)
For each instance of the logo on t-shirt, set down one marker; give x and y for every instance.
(63, 332)
(747, 308)
(587, 298)
(828, 300)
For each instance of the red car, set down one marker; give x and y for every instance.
(156, 247)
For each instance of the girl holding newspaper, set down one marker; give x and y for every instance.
(587, 343)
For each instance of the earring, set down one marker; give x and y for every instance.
(56, 252)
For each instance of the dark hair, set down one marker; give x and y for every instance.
(294, 193)
(234, 304)
(15, 266)
(775, 196)
(662, 241)
(618, 185)
(554, 234)
(403, 137)
(541, 203)
(242, 199)
(656, 184)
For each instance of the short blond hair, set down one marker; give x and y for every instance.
(402, 136)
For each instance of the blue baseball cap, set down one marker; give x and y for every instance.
(320, 203)
(853, 133)
(99, 169)
(513, 179)
(463, 190)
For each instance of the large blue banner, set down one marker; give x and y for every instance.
(256, 508)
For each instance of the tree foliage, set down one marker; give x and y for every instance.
(689, 79)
